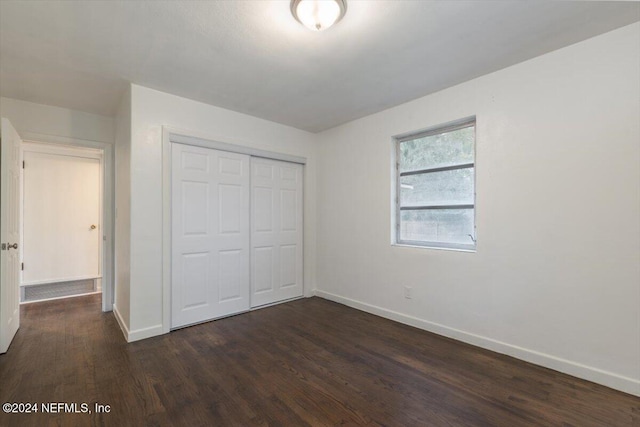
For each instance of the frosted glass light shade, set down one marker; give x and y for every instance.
(318, 15)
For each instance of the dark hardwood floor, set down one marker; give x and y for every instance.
(307, 362)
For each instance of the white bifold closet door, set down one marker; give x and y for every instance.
(276, 231)
(210, 234)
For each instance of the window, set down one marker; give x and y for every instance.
(435, 188)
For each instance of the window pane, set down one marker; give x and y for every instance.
(454, 147)
(437, 188)
(442, 226)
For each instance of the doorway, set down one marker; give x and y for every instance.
(61, 228)
(11, 158)
(107, 210)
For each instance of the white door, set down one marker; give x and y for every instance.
(276, 231)
(9, 233)
(210, 234)
(61, 213)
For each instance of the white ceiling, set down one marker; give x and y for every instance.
(253, 57)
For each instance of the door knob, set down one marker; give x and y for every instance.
(10, 246)
(93, 226)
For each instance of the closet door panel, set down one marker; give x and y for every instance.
(231, 272)
(195, 279)
(276, 231)
(288, 267)
(262, 274)
(210, 234)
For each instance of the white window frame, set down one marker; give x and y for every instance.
(435, 130)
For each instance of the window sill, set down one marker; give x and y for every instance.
(439, 248)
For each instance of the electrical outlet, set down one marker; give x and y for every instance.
(407, 292)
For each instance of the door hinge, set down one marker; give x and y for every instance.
(22, 266)
(23, 164)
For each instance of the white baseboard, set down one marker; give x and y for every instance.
(123, 326)
(599, 376)
(137, 334)
(141, 334)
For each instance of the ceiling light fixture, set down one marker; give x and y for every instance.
(318, 15)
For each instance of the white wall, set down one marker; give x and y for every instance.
(37, 120)
(150, 110)
(556, 276)
(123, 211)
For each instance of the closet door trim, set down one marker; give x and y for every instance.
(233, 148)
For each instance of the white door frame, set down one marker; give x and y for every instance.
(57, 143)
(169, 136)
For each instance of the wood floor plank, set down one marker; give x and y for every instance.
(309, 362)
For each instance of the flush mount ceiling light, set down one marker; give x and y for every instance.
(318, 15)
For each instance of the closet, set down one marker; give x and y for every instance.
(236, 233)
